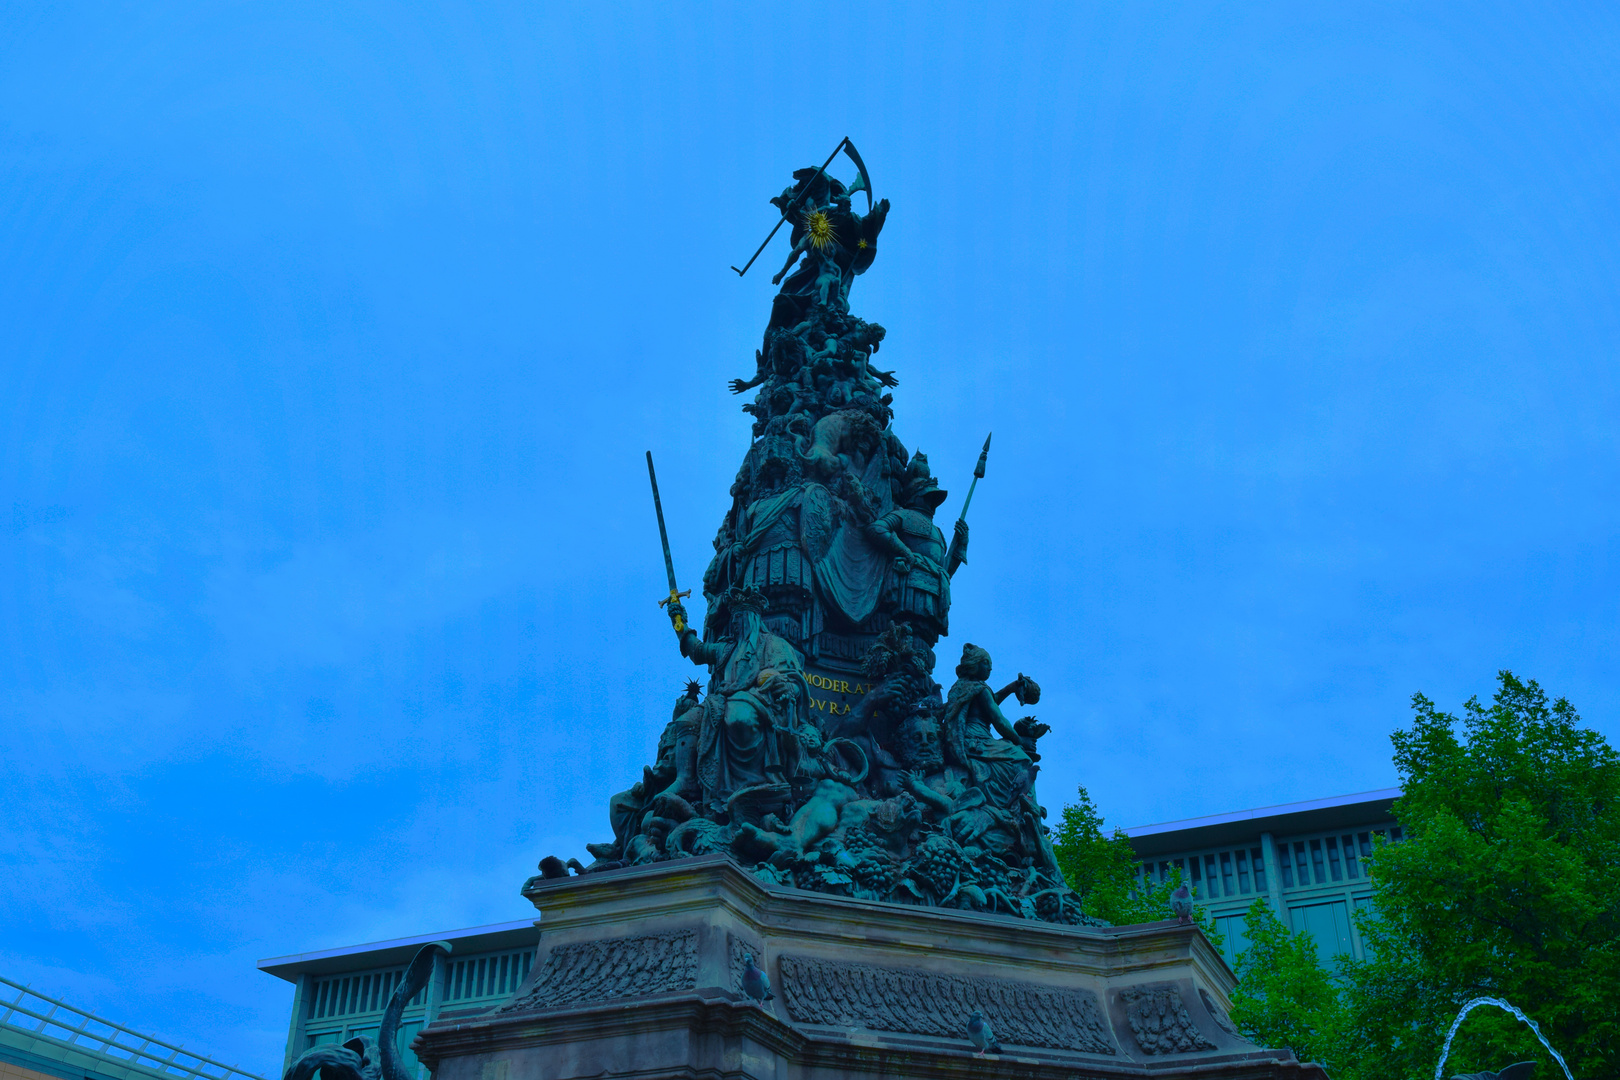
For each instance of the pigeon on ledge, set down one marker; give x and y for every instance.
(754, 982)
(980, 1034)
(1181, 904)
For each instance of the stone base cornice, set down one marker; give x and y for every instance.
(638, 975)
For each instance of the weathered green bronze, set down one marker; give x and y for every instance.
(675, 594)
(862, 184)
(824, 755)
(978, 474)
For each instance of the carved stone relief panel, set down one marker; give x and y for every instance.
(1159, 1021)
(926, 1003)
(613, 968)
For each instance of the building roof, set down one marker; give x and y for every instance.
(1217, 829)
(44, 1035)
(399, 951)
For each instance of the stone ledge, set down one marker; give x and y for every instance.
(693, 1035)
(702, 884)
(638, 976)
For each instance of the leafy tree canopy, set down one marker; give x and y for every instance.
(1101, 867)
(1284, 996)
(1505, 886)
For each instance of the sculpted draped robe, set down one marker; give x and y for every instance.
(998, 767)
(743, 742)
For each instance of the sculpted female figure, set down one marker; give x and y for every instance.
(979, 739)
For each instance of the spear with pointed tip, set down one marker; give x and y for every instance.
(978, 474)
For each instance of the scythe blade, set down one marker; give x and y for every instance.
(865, 182)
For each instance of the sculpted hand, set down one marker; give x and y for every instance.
(902, 565)
(959, 541)
(738, 386)
(677, 614)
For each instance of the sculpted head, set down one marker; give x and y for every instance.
(744, 608)
(921, 491)
(975, 664)
(919, 744)
(687, 701)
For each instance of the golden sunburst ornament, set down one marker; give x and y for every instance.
(819, 226)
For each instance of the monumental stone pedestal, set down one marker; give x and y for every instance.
(639, 975)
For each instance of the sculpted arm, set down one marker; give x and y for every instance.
(1027, 689)
(882, 534)
(916, 784)
(793, 257)
(986, 700)
(738, 385)
(692, 646)
(957, 555)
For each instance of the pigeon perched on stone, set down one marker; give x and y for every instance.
(1181, 904)
(980, 1034)
(754, 982)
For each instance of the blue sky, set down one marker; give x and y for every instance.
(333, 337)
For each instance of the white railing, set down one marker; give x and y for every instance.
(57, 1024)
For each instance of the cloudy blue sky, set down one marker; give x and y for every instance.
(331, 337)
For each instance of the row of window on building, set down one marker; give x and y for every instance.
(1242, 871)
(345, 995)
(487, 976)
(465, 980)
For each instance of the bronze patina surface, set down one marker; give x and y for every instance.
(823, 754)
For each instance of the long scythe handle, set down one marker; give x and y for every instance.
(791, 205)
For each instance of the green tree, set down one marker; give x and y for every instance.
(1284, 996)
(1101, 867)
(1504, 887)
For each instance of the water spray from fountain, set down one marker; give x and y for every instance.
(1469, 1006)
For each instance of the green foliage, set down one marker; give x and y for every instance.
(1284, 997)
(1102, 868)
(1503, 887)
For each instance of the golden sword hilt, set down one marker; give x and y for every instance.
(675, 598)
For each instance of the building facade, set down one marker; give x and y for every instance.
(1307, 859)
(340, 994)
